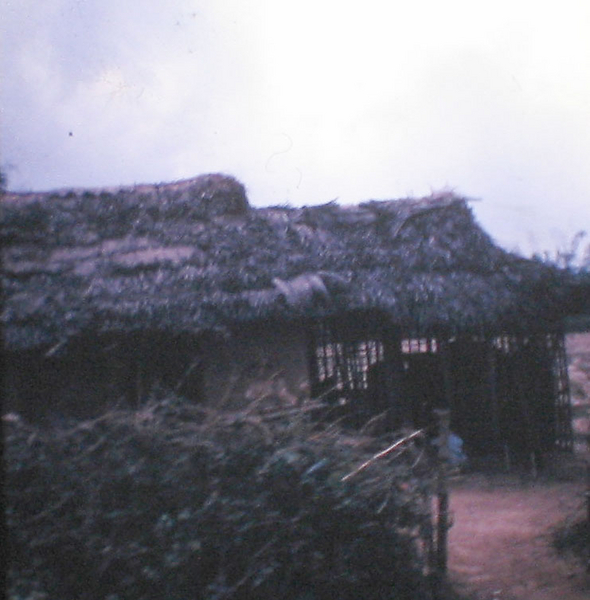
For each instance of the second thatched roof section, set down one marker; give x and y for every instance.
(193, 256)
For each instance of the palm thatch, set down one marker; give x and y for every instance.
(194, 256)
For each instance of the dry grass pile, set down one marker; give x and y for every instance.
(175, 501)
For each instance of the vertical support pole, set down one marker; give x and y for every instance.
(445, 362)
(313, 358)
(398, 406)
(564, 438)
(522, 389)
(502, 383)
(499, 442)
(507, 461)
(443, 418)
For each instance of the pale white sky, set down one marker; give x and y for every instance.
(309, 101)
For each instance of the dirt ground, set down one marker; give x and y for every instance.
(500, 545)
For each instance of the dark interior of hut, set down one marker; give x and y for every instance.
(93, 373)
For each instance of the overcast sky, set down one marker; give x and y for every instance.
(310, 100)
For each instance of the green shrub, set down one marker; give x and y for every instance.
(177, 502)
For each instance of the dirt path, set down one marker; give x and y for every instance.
(500, 543)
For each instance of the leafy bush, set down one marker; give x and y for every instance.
(178, 502)
(574, 538)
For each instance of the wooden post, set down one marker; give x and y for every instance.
(499, 441)
(443, 418)
(445, 361)
(522, 389)
(564, 436)
(507, 462)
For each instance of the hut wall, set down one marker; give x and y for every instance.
(78, 383)
(355, 365)
(527, 393)
(266, 359)
(91, 374)
(503, 393)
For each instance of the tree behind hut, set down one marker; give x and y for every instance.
(575, 256)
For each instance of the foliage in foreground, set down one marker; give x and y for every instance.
(176, 502)
(575, 539)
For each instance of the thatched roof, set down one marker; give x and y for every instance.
(193, 256)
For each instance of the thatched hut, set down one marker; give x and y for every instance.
(390, 307)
